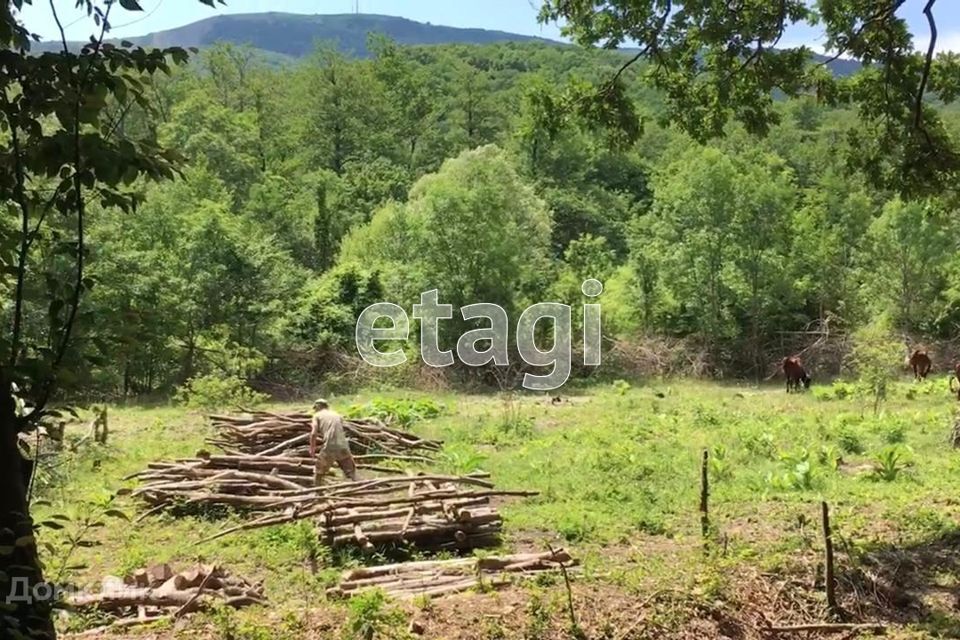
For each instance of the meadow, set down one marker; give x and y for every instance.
(618, 471)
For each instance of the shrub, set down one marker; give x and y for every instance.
(799, 476)
(876, 356)
(213, 392)
(370, 615)
(462, 462)
(621, 387)
(763, 445)
(849, 441)
(895, 434)
(888, 465)
(403, 412)
(720, 466)
(829, 455)
(836, 391)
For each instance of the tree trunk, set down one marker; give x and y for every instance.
(186, 371)
(20, 571)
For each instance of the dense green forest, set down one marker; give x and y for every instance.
(316, 189)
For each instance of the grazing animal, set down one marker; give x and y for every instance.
(795, 374)
(920, 362)
(955, 376)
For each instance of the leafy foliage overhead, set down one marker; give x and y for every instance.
(717, 61)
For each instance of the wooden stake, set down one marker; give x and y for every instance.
(574, 627)
(832, 606)
(704, 496)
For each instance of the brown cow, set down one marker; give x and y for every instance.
(920, 362)
(795, 374)
(955, 376)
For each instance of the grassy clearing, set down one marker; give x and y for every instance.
(617, 468)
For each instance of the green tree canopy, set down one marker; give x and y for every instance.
(715, 62)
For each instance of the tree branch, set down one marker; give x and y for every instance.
(21, 199)
(880, 16)
(651, 46)
(63, 35)
(928, 62)
(80, 205)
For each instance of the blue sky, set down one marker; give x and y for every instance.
(517, 16)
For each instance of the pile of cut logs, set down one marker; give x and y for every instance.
(443, 577)
(431, 511)
(267, 471)
(247, 482)
(158, 593)
(438, 514)
(288, 434)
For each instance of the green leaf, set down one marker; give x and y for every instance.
(131, 5)
(25, 541)
(116, 513)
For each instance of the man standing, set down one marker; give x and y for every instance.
(327, 425)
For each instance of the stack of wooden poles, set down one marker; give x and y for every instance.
(431, 511)
(246, 482)
(434, 578)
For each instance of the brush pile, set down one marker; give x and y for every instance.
(288, 434)
(443, 577)
(157, 593)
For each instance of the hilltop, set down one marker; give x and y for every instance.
(283, 37)
(293, 35)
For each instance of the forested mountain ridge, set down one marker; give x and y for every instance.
(285, 37)
(295, 35)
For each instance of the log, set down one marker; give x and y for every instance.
(414, 532)
(457, 587)
(396, 528)
(133, 597)
(490, 563)
(441, 577)
(828, 627)
(286, 444)
(123, 623)
(362, 539)
(203, 584)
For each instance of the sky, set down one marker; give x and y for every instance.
(515, 16)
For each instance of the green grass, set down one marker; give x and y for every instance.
(618, 474)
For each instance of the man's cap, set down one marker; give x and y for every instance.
(321, 402)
